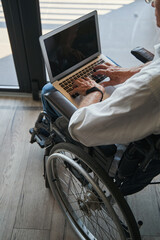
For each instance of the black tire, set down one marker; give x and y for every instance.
(91, 201)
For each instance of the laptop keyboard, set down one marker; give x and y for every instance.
(86, 72)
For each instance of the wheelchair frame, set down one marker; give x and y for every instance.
(79, 179)
(88, 169)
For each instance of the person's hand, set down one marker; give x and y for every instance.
(116, 74)
(81, 85)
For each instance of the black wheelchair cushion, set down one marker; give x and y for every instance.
(108, 150)
(142, 54)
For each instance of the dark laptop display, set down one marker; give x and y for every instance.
(71, 46)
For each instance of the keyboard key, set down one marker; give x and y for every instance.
(87, 72)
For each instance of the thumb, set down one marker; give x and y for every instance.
(109, 83)
(105, 84)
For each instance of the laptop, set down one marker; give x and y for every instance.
(72, 51)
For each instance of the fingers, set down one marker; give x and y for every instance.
(101, 72)
(109, 64)
(101, 66)
(87, 79)
(77, 86)
(104, 66)
(80, 81)
(75, 90)
(77, 82)
(105, 84)
(104, 69)
(80, 86)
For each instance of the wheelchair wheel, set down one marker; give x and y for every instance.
(89, 198)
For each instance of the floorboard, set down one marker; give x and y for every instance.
(146, 207)
(58, 223)
(35, 205)
(14, 152)
(27, 208)
(69, 234)
(28, 234)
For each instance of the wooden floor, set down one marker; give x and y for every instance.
(27, 209)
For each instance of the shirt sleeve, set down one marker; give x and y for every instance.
(129, 114)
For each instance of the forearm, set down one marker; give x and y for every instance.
(129, 72)
(91, 98)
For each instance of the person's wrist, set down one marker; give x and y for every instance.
(95, 89)
(101, 88)
(133, 71)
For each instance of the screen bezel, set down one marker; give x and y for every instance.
(64, 27)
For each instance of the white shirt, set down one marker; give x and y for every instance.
(131, 113)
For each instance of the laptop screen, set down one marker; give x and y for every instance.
(72, 46)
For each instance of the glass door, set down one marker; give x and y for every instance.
(8, 76)
(21, 63)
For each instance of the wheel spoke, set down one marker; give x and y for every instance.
(86, 197)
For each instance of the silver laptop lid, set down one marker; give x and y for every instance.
(71, 46)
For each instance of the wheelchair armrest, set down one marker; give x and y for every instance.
(60, 103)
(142, 54)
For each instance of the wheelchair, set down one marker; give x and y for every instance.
(92, 199)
